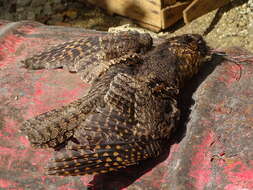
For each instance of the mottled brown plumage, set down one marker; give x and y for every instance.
(130, 108)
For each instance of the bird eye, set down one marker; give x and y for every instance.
(152, 84)
(200, 41)
(188, 39)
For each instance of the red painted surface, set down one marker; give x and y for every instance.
(201, 162)
(231, 73)
(10, 44)
(216, 151)
(239, 174)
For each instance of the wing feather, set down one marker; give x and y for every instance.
(91, 56)
(109, 138)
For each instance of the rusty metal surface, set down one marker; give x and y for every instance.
(215, 152)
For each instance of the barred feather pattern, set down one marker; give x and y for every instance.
(81, 160)
(130, 109)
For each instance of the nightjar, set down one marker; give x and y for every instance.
(130, 108)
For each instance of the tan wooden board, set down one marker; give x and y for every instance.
(172, 14)
(147, 11)
(166, 3)
(152, 14)
(200, 7)
(149, 26)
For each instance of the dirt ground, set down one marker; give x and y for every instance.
(231, 25)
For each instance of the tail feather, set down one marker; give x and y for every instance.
(81, 160)
(96, 169)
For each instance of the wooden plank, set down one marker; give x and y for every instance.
(200, 7)
(147, 11)
(168, 2)
(149, 26)
(172, 14)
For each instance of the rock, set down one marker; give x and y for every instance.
(250, 32)
(31, 15)
(56, 18)
(131, 27)
(215, 152)
(47, 9)
(23, 2)
(8, 16)
(222, 27)
(36, 3)
(58, 1)
(21, 16)
(58, 7)
(37, 11)
(20, 9)
(72, 14)
(76, 5)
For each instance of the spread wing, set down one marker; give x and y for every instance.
(116, 135)
(53, 128)
(66, 55)
(91, 56)
(56, 127)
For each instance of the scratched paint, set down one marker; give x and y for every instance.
(7, 47)
(201, 162)
(28, 93)
(240, 175)
(44, 95)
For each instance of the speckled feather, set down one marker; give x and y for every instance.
(90, 57)
(129, 110)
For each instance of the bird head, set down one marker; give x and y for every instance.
(193, 42)
(174, 61)
(191, 51)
